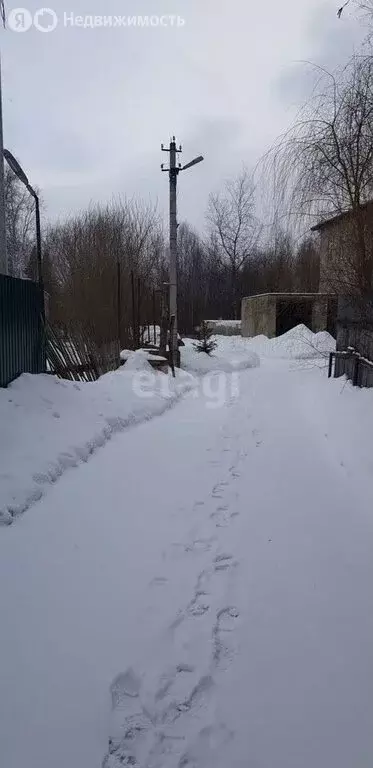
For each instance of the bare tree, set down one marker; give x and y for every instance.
(277, 261)
(233, 227)
(20, 223)
(193, 278)
(85, 252)
(364, 6)
(324, 164)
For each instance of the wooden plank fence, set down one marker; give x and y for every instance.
(74, 356)
(354, 350)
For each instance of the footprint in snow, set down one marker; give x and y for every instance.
(207, 747)
(173, 679)
(126, 684)
(225, 565)
(223, 635)
(194, 701)
(198, 504)
(200, 545)
(234, 474)
(128, 722)
(222, 558)
(159, 581)
(198, 609)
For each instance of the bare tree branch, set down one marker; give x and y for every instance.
(324, 167)
(233, 226)
(340, 11)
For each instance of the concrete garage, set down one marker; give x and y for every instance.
(272, 314)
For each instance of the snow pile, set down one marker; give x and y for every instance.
(238, 353)
(135, 360)
(300, 343)
(222, 359)
(324, 342)
(138, 361)
(125, 353)
(49, 425)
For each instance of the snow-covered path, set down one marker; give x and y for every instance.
(222, 560)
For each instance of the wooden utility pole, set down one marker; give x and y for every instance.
(164, 322)
(173, 254)
(173, 171)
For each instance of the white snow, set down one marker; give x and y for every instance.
(228, 323)
(49, 425)
(128, 355)
(200, 591)
(300, 343)
(224, 359)
(125, 353)
(237, 353)
(138, 361)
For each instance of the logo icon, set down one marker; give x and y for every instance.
(19, 20)
(45, 20)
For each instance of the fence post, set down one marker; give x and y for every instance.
(154, 320)
(133, 310)
(171, 345)
(330, 365)
(356, 370)
(119, 310)
(139, 297)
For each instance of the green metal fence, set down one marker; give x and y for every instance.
(22, 344)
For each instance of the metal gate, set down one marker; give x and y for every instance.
(22, 345)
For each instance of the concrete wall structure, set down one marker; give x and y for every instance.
(265, 313)
(346, 251)
(258, 315)
(320, 306)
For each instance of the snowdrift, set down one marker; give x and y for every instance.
(49, 425)
(297, 344)
(138, 361)
(234, 353)
(223, 359)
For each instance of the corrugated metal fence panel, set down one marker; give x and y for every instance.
(22, 345)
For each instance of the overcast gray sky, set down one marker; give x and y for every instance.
(85, 110)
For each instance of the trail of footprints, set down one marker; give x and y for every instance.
(154, 735)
